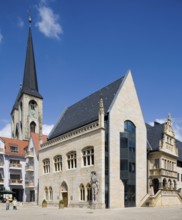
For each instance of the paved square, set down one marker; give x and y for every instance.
(53, 213)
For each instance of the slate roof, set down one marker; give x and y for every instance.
(30, 84)
(155, 134)
(179, 145)
(86, 110)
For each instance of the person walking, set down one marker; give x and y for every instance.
(14, 204)
(7, 204)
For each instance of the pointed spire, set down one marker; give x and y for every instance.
(169, 117)
(101, 105)
(30, 84)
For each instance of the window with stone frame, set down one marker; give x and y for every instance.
(156, 163)
(50, 193)
(89, 192)
(32, 127)
(88, 156)
(32, 105)
(71, 160)
(46, 166)
(46, 193)
(58, 163)
(82, 192)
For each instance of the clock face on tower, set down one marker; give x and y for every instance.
(33, 114)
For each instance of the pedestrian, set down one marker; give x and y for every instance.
(14, 204)
(7, 204)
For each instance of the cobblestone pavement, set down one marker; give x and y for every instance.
(53, 213)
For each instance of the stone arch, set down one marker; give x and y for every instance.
(64, 187)
(89, 192)
(164, 182)
(50, 193)
(32, 127)
(82, 192)
(169, 184)
(46, 193)
(155, 183)
(64, 193)
(32, 104)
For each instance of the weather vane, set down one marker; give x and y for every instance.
(30, 18)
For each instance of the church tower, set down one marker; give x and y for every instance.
(26, 115)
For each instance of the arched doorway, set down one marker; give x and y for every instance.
(155, 185)
(64, 193)
(164, 183)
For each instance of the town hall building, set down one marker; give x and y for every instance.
(101, 153)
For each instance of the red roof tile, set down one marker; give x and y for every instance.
(15, 143)
(36, 141)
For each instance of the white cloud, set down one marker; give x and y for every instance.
(20, 22)
(49, 22)
(1, 38)
(160, 120)
(46, 129)
(6, 131)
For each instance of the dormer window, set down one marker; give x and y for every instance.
(13, 148)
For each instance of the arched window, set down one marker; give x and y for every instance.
(50, 193)
(32, 105)
(46, 166)
(88, 156)
(58, 163)
(89, 192)
(71, 159)
(82, 192)
(46, 193)
(32, 127)
(164, 183)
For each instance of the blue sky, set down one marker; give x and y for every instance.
(83, 45)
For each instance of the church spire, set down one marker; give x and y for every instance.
(30, 84)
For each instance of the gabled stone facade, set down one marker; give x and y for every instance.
(102, 138)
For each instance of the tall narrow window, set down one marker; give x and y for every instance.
(88, 156)
(71, 159)
(32, 126)
(46, 166)
(82, 192)
(128, 162)
(50, 193)
(46, 193)
(58, 163)
(89, 192)
(32, 105)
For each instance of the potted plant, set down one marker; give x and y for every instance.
(61, 204)
(44, 203)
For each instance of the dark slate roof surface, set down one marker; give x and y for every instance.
(179, 145)
(154, 135)
(86, 110)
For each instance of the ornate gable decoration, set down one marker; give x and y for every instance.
(168, 142)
